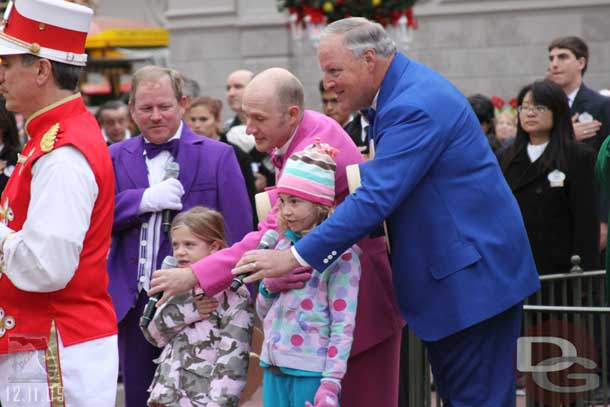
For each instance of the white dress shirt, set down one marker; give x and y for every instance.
(572, 96)
(44, 254)
(534, 151)
(150, 232)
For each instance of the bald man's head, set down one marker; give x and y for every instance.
(236, 83)
(273, 104)
(288, 90)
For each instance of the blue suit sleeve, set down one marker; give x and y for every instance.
(407, 145)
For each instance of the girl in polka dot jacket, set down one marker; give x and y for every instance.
(308, 331)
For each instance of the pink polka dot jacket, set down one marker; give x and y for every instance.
(312, 328)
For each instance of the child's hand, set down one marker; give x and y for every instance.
(295, 280)
(205, 305)
(326, 396)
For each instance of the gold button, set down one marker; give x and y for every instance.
(41, 26)
(34, 48)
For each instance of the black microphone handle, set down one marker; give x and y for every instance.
(238, 280)
(151, 306)
(149, 310)
(166, 220)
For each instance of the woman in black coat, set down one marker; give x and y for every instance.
(9, 144)
(552, 177)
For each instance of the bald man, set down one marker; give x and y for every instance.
(236, 84)
(273, 106)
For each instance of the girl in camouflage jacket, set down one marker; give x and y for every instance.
(204, 360)
(308, 331)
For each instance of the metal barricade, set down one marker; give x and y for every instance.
(569, 318)
(565, 335)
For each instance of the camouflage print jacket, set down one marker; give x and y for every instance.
(204, 361)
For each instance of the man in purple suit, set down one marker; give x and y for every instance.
(146, 186)
(273, 102)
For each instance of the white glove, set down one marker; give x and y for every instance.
(167, 194)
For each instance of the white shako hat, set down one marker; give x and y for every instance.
(51, 29)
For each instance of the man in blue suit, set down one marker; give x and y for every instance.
(461, 260)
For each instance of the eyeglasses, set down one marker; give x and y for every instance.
(534, 108)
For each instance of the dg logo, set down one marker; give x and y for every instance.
(560, 362)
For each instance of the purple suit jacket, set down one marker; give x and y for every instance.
(210, 176)
(377, 316)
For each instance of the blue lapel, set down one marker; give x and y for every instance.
(394, 74)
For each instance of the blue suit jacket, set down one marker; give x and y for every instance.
(210, 176)
(460, 253)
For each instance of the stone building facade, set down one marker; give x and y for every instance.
(488, 46)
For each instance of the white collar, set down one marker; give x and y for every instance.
(281, 151)
(127, 136)
(572, 96)
(374, 103)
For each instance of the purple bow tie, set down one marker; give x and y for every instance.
(152, 150)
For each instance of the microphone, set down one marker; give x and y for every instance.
(169, 262)
(269, 240)
(172, 170)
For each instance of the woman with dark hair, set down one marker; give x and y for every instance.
(552, 177)
(9, 144)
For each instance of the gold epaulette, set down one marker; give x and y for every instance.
(47, 143)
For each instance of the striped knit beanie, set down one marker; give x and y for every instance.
(310, 174)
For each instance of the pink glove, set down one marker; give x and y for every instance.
(326, 396)
(295, 279)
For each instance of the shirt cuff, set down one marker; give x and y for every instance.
(5, 233)
(298, 257)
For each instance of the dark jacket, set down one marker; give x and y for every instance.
(354, 129)
(10, 156)
(598, 106)
(561, 220)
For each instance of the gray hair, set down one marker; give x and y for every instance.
(360, 34)
(66, 76)
(190, 88)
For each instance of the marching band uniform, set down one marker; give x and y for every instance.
(56, 212)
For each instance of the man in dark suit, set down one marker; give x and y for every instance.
(209, 175)
(356, 126)
(568, 60)
(461, 259)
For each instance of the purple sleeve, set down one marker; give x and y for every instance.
(233, 201)
(126, 207)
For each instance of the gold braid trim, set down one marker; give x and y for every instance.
(56, 387)
(33, 47)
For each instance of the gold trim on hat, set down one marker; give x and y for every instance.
(23, 44)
